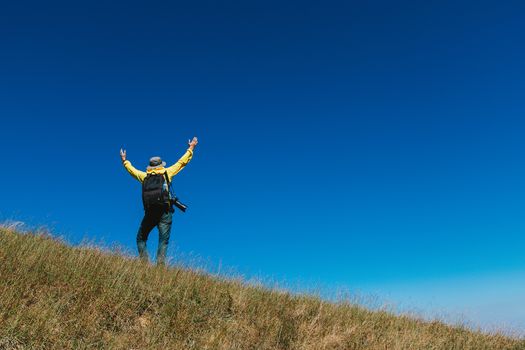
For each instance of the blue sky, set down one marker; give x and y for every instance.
(372, 146)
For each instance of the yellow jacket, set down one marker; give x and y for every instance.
(172, 170)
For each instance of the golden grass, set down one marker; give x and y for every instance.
(53, 296)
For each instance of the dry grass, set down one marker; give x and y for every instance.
(53, 296)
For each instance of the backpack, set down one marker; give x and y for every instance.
(156, 191)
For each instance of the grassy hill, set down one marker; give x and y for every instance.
(53, 296)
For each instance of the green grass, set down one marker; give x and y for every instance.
(53, 296)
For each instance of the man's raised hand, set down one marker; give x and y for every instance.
(123, 154)
(193, 143)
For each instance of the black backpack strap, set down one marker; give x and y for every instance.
(166, 176)
(170, 190)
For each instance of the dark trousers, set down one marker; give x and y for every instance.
(160, 217)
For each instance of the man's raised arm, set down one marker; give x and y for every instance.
(137, 174)
(184, 160)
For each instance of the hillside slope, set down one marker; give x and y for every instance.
(53, 296)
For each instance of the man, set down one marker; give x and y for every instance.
(159, 215)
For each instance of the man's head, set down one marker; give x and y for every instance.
(155, 163)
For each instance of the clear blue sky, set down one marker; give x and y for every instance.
(373, 145)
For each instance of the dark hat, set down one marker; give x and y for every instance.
(155, 162)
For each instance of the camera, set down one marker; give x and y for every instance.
(175, 202)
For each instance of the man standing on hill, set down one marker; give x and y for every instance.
(156, 198)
